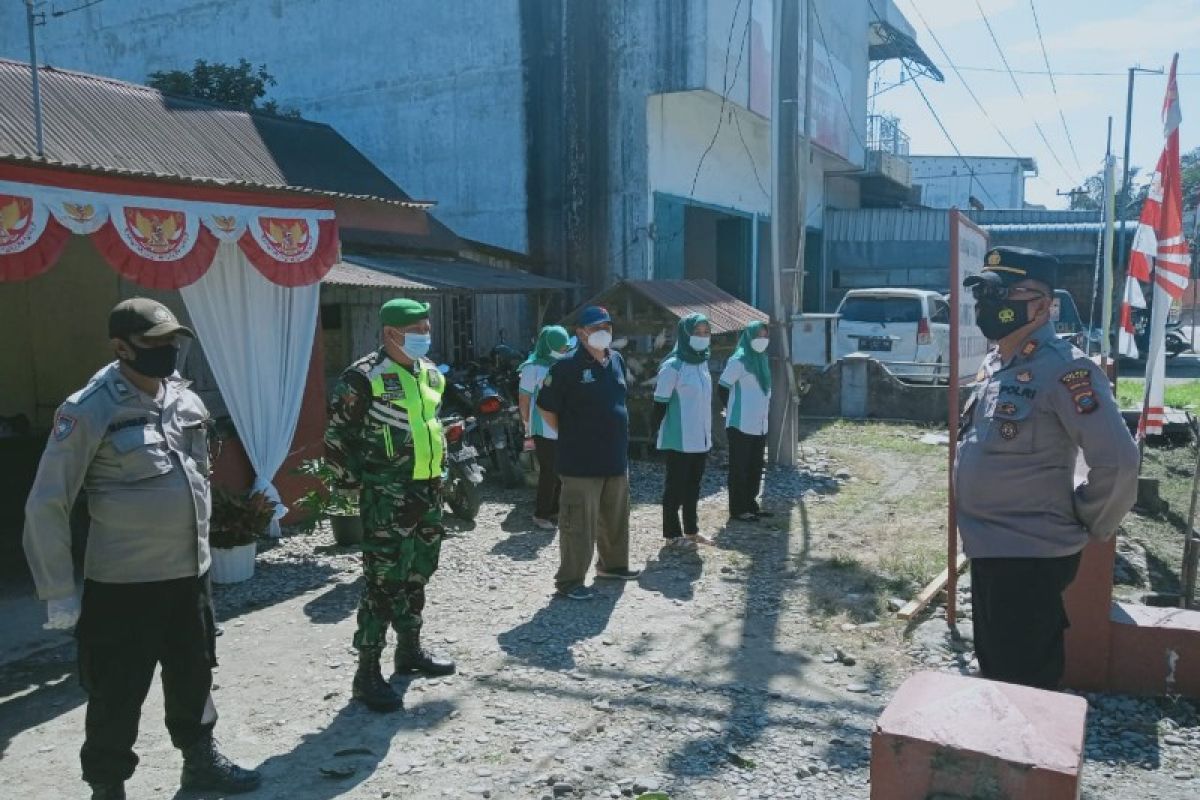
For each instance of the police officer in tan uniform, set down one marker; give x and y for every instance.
(135, 439)
(1039, 407)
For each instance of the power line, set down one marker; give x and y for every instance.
(966, 85)
(79, 7)
(950, 139)
(1054, 86)
(1016, 85)
(1062, 74)
(726, 89)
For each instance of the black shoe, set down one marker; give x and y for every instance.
(619, 574)
(578, 593)
(748, 516)
(764, 514)
(411, 657)
(369, 686)
(108, 791)
(205, 769)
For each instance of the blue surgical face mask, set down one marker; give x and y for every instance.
(416, 345)
(699, 343)
(558, 355)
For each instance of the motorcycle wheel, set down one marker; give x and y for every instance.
(464, 499)
(509, 466)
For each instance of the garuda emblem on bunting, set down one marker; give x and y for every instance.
(16, 222)
(161, 234)
(285, 239)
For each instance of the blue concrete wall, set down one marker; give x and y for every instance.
(432, 92)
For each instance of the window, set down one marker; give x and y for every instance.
(881, 309)
(941, 311)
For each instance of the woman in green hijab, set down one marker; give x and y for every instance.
(553, 343)
(745, 388)
(683, 418)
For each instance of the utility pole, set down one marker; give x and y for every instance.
(31, 22)
(787, 221)
(1123, 205)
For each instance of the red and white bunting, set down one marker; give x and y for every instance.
(159, 242)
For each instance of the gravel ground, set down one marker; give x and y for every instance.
(717, 675)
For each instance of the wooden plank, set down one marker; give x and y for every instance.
(914, 606)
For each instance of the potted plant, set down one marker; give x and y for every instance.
(328, 501)
(236, 523)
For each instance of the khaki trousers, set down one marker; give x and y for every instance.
(593, 517)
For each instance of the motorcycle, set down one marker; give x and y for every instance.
(470, 391)
(464, 475)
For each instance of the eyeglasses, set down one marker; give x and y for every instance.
(990, 291)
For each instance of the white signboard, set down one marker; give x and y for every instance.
(968, 246)
(832, 83)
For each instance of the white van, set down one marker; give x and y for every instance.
(906, 329)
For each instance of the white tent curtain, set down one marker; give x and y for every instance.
(258, 336)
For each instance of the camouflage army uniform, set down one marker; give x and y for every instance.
(396, 459)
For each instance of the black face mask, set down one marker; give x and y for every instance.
(153, 362)
(999, 318)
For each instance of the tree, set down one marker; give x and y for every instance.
(1090, 195)
(240, 86)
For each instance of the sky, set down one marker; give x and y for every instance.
(1080, 36)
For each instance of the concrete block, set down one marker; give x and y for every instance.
(1155, 651)
(1089, 601)
(965, 737)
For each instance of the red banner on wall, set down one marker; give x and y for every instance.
(160, 242)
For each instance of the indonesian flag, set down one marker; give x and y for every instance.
(1126, 333)
(1160, 253)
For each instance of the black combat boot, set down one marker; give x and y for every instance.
(108, 791)
(205, 769)
(411, 657)
(369, 686)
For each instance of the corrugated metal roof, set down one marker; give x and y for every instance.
(1031, 216)
(105, 125)
(726, 313)
(417, 274)
(1052, 227)
(887, 224)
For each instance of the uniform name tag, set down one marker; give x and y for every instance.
(136, 422)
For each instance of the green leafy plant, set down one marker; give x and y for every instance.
(238, 519)
(327, 500)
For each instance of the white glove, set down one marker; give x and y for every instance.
(62, 613)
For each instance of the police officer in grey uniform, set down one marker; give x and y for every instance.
(1039, 407)
(135, 439)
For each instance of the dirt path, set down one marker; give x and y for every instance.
(714, 676)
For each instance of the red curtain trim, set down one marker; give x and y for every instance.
(156, 274)
(35, 260)
(301, 273)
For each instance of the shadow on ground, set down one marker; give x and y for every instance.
(334, 605)
(330, 762)
(545, 640)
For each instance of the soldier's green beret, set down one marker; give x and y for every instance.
(402, 312)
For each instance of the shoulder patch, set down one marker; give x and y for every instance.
(1078, 383)
(64, 424)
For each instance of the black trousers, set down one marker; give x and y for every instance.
(746, 454)
(682, 492)
(124, 632)
(549, 486)
(1019, 617)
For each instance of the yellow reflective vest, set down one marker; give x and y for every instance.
(406, 404)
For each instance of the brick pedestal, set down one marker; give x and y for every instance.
(972, 738)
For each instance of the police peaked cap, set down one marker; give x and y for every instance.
(1005, 266)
